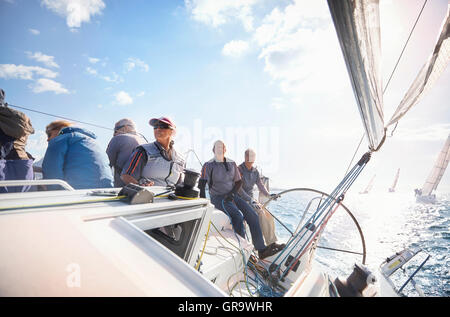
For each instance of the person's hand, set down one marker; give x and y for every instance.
(146, 182)
(256, 204)
(229, 197)
(274, 196)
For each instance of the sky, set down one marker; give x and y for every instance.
(264, 74)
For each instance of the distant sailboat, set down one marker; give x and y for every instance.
(369, 186)
(392, 189)
(426, 194)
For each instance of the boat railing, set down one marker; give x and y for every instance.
(46, 182)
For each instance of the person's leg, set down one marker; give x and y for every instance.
(237, 219)
(252, 219)
(267, 226)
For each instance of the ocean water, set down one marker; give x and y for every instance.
(390, 222)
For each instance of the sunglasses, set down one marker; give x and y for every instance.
(161, 126)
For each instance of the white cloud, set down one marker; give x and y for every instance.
(49, 61)
(11, 71)
(132, 63)
(123, 98)
(235, 48)
(278, 103)
(93, 60)
(219, 12)
(34, 31)
(140, 94)
(114, 78)
(76, 12)
(91, 71)
(37, 144)
(45, 84)
(295, 45)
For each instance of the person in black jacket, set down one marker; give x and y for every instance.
(15, 162)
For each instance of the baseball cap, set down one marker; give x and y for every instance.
(165, 120)
(124, 122)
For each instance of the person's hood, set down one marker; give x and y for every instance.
(67, 130)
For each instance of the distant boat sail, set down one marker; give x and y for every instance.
(369, 186)
(438, 170)
(392, 189)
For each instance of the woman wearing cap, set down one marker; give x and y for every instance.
(155, 163)
(73, 155)
(224, 182)
(122, 144)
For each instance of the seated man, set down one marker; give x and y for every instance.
(224, 181)
(121, 146)
(250, 177)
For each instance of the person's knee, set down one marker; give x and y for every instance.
(233, 211)
(238, 216)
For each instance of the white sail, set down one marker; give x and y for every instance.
(438, 170)
(392, 189)
(357, 25)
(429, 73)
(358, 28)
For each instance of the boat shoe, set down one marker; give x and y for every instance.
(268, 251)
(279, 246)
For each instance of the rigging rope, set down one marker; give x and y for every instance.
(56, 116)
(66, 118)
(404, 47)
(354, 154)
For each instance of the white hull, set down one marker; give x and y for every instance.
(428, 199)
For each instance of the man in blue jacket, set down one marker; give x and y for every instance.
(73, 155)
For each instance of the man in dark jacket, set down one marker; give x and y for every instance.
(15, 162)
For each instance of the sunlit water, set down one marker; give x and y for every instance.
(390, 222)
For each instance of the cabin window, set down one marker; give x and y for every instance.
(178, 237)
(178, 229)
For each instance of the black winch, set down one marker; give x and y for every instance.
(187, 189)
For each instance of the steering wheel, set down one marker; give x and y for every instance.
(323, 195)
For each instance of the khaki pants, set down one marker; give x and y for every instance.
(267, 223)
